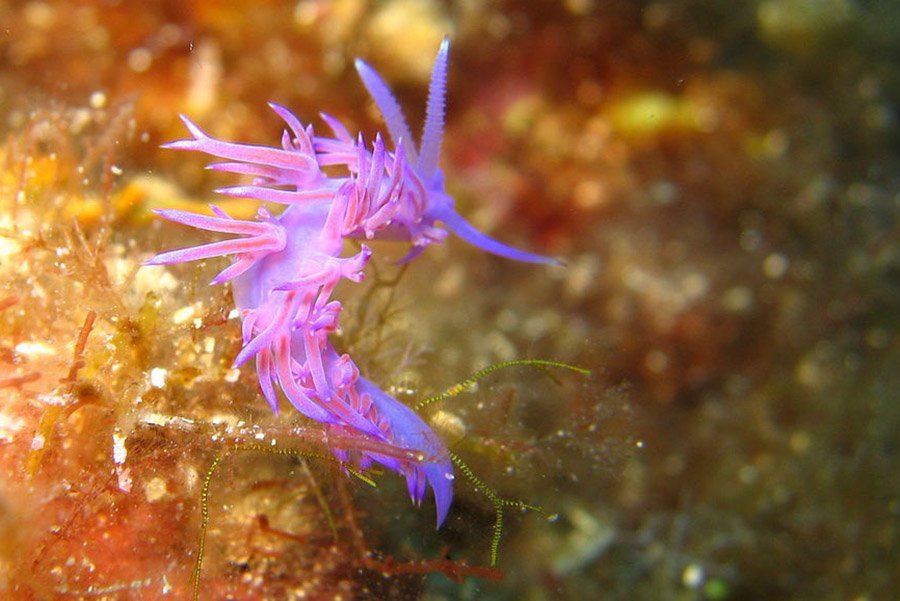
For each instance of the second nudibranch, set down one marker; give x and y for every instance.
(287, 265)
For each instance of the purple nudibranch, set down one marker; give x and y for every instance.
(287, 265)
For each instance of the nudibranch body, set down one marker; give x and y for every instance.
(287, 265)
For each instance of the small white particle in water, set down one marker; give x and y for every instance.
(693, 576)
(139, 60)
(116, 170)
(158, 377)
(738, 299)
(9, 248)
(694, 285)
(119, 450)
(232, 375)
(98, 100)
(639, 444)
(449, 476)
(54, 400)
(155, 419)
(260, 436)
(155, 489)
(37, 443)
(224, 418)
(191, 477)
(183, 314)
(9, 426)
(233, 314)
(35, 349)
(775, 266)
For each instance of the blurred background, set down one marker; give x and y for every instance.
(720, 178)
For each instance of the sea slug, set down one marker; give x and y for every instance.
(287, 265)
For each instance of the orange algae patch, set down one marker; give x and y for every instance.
(110, 407)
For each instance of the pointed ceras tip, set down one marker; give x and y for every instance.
(433, 130)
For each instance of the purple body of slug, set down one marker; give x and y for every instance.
(286, 266)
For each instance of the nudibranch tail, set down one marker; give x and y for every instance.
(410, 432)
(286, 266)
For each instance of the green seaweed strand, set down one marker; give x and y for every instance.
(259, 448)
(541, 364)
(204, 524)
(499, 503)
